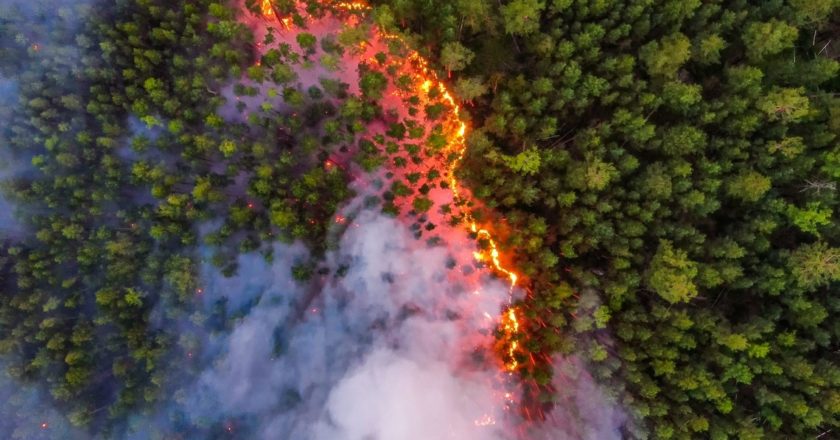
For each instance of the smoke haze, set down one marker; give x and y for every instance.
(387, 350)
(49, 30)
(393, 347)
(392, 340)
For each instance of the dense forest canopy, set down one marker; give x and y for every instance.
(666, 172)
(132, 168)
(679, 158)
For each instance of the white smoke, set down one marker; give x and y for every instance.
(398, 348)
(582, 409)
(8, 166)
(393, 341)
(385, 351)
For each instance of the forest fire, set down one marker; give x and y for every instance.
(349, 219)
(456, 145)
(352, 6)
(456, 130)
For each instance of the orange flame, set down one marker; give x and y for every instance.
(456, 145)
(267, 9)
(352, 6)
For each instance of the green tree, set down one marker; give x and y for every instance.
(815, 265)
(764, 39)
(786, 104)
(664, 57)
(455, 57)
(373, 84)
(527, 162)
(671, 274)
(522, 17)
(307, 42)
(748, 186)
(470, 88)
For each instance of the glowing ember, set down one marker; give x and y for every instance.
(485, 420)
(267, 9)
(510, 324)
(352, 6)
(44, 425)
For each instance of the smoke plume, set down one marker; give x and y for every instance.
(392, 339)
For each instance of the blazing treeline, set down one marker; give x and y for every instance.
(680, 160)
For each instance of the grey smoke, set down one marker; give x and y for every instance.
(583, 410)
(387, 351)
(393, 348)
(25, 407)
(297, 368)
(28, 415)
(8, 99)
(51, 26)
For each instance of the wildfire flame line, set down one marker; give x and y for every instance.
(428, 79)
(510, 319)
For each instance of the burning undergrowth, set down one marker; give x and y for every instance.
(404, 329)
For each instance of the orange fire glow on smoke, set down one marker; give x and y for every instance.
(456, 144)
(427, 81)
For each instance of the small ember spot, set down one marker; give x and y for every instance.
(485, 420)
(45, 425)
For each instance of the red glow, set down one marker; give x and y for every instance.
(44, 425)
(425, 79)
